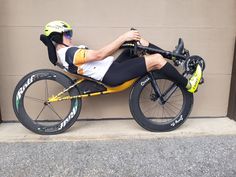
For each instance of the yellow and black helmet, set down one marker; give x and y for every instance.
(55, 29)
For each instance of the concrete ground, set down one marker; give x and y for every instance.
(118, 129)
(200, 147)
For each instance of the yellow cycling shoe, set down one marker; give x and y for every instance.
(195, 79)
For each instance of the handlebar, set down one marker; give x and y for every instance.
(164, 53)
(136, 45)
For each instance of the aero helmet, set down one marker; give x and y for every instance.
(55, 29)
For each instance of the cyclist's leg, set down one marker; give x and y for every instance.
(119, 73)
(156, 61)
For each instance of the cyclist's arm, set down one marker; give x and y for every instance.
(95, 55)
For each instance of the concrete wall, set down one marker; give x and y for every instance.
(207, 27)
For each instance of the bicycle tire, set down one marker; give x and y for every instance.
(151, 123)
(51, 78)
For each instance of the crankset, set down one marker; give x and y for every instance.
(191, 63)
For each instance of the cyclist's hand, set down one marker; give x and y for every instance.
(144, 42)
(132, 35)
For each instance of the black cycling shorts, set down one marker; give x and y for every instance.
(124, 68)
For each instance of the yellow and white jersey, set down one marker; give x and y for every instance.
(74, 59)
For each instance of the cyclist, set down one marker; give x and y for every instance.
(100, 65)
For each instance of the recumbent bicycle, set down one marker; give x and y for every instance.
(49, 102)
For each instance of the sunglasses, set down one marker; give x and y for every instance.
(68, 34)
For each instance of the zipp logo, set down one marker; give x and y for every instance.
(145, 81)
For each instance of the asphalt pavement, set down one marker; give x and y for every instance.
(205, 156)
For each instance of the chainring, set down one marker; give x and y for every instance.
(191, 63)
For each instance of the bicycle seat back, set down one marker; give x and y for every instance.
(51, 49)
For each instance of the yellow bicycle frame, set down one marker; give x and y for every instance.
(60, 97)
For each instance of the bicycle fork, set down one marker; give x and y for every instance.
(162, 98)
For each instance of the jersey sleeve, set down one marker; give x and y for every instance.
(80, 57)
(75, 57)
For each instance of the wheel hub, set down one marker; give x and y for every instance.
(153, 97)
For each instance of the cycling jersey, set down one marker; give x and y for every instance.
(74, 60)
